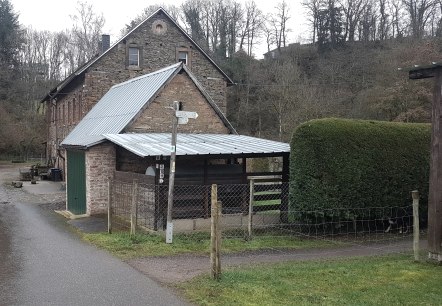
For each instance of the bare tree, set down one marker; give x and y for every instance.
(84, 35)
(312, 7)
(419, 13)
(396, 12)
(278, 23)
(193, 11)
(384, 20)
(353, 11)
(172, 10)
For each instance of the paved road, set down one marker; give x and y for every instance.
(42, 262)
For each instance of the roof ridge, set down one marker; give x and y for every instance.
(171, 67)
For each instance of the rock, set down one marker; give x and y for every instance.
(17, 184)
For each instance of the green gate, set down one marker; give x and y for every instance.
(76, 182)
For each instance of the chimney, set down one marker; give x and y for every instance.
(105, 43)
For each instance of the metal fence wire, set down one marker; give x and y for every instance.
(258, 209)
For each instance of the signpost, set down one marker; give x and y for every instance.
(180, 117)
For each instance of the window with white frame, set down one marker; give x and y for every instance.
(183, 57)
(134, 56)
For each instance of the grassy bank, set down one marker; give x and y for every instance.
(123, 246)
(391, 280)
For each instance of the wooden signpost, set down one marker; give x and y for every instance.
(435, 192)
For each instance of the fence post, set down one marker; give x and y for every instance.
(415, 195)
(109, 207)
(133, 209)
(251, 198)
(215, 235)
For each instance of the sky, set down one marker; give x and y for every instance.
(53, 15)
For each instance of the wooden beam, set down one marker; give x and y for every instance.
(435, 192)
(423, 73)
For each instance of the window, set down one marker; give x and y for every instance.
(182, 57)
(134, 56)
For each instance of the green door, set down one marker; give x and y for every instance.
(76, 182)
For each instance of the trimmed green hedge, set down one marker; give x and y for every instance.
(339, 163)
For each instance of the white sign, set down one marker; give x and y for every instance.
(182, 114)
(182, 120)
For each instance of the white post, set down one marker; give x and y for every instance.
(251, 196)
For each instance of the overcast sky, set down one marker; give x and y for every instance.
(53, 15)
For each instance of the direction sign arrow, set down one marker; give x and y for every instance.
(182, 114)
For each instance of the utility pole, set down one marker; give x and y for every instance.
(179, 117)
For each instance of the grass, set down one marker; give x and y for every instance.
(123, 246)
(389, 280)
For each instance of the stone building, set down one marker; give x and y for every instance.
(135, 108)
(155, 43)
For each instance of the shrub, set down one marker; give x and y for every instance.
(339, 163)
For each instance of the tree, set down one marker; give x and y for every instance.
(352, 12)
(278, 23)
(193, 14)
(251, 27)
(84, 35)
(330, 26)
(313, 7)
(10, 44)
(419, 13)
(173, 11)
(384, 23)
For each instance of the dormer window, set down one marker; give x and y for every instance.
(134, 57)
(182, 57)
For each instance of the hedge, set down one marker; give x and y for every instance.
(339, 163)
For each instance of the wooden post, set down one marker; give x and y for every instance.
(251, 198)
(215, 235)
(415, 195)
(218, 239)
(109, 207)
(133, 209)
(169, 226)
(435, 194)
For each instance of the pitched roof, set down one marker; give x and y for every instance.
(123, 102)
(158, 144)
(53, 92)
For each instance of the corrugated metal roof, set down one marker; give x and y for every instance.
(159, 144)
(118, 107)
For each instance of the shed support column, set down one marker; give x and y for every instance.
(435, 193)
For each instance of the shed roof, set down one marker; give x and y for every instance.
(54, 92)
(123, 102)
(159, 144)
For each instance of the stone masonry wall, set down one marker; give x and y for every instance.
(158, 49)
(100, 167)
(61, 118)
(158, 118)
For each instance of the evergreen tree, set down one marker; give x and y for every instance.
(10, 42)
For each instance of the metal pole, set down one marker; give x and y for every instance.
(169, 228)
